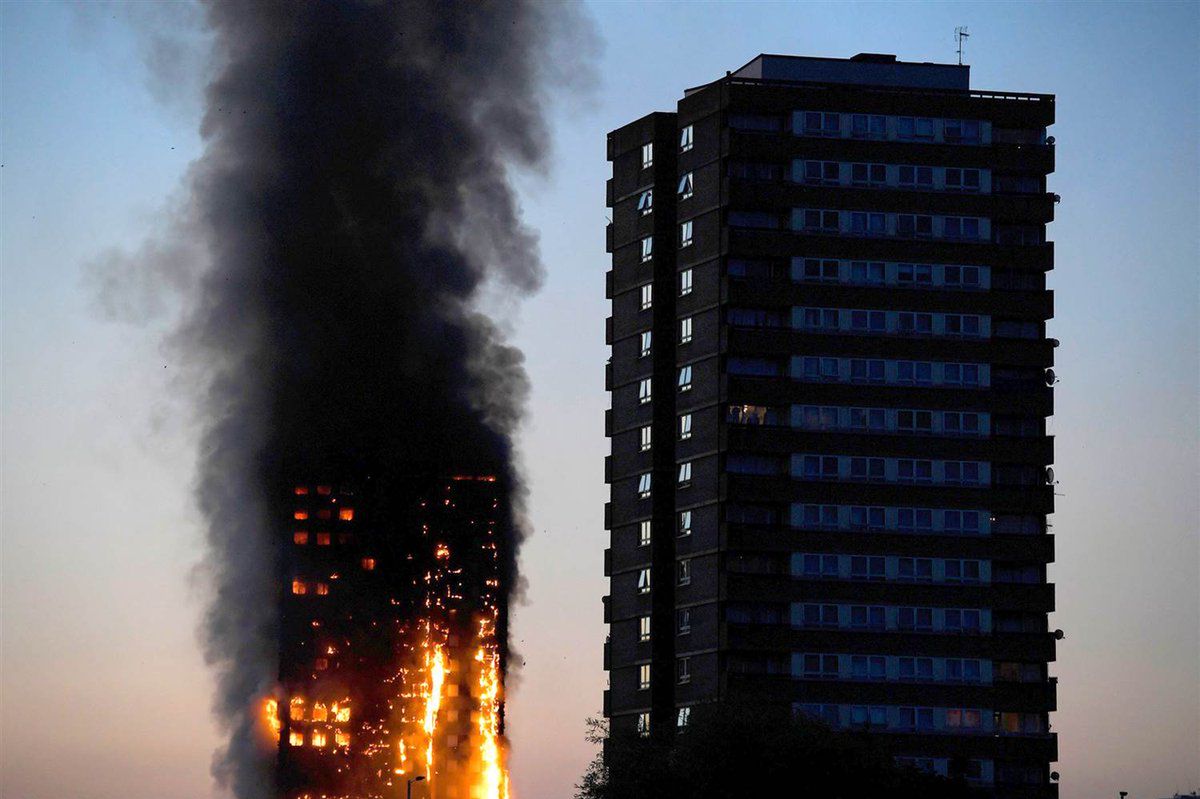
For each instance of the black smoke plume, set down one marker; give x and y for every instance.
(352, 200)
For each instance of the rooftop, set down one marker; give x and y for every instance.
(867, 69)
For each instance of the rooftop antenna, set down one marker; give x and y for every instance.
(960, 33)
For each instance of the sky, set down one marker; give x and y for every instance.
(103, 691)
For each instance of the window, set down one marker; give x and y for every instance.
(647, 155)
(643, 628)
(957, 620)
(684, 572)
(867, 616)
(647, 337)
(962, 179)
(685, 282)
(685, 473)
(818, 269)
(961, 227)
(868, 667)
(868, 273)
(914, 225)
(962, 571)
(643, 676)
(821, 172)
(965, 276)
(685, 426)
(685, 186)
(684, 715)
(916, 718)
(368, 564)
(647, 295)
(920, 324)
(644, 394)
(863, 567)
(963, 670)
(920, 177)
(647, 248)
(643, 725)
(300, 538)
(915, 421)
(322, 589)
(825, 221)
(820, 319)
(323, 539)
(915, 569)
(867, 469)
(820, 467)
(685, 139)
(868, 174)
(820, 667)
(914, 471)
(868, 321)
(868, 224)
(862, 370)
(644, 581)
(644, 533)
(915, 619)
(298, 587)
(867, 518)
(644, 485)
(820, 616)
(683, 673)
(868, 716)
(961, 131)
(685, 234)
(683, 621)
(963, 718)
(820, 565)
(685, 378)
(868, 126)
(918, 274)
(817, 123)
(646, 202)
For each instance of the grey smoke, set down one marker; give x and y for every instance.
(352, 200)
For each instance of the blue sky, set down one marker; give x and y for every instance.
(104, 692)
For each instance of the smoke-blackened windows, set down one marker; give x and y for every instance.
(685, 234)
(643, 628)
(685, 138)
(647, 154)
(684, 572)
(644, 581)
(647, 295)
(683, 621)
(644, 485)
(647, 248)
(644, 391)
(644, 676)
(683, 673)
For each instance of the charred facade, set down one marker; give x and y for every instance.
(830, 382)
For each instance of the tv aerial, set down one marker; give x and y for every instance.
(960, 34)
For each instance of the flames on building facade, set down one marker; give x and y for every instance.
(392, 656)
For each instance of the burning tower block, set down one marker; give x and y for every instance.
(392, 645)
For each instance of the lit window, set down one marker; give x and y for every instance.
(685, 186)
(643, 628)
(644, 391)
(301, 490)
(644, 485)
(644, 533)
(341, 738)
(685, 572)
(647, 295)
(685, 330)
(320, 664)
(685, 139)
(643, 724)
(647, 154)
(644, 676)
(646, 339)
(683, 671)
(368, 564)
(645, 433)
(296, 738)
(647, 248)
(685, 234)
(685, 282)
(346, 514)
(646, 202)
(644, 581)
(685, 473)
(322, 589)
(318, 738)
(324, 490)
(685, 522)
(320, 712)
(685, 426)
(685, 378)
(322, 539)
(298, 587)
(296, 711)
(300, 515)
(300, 538)
(685, 713)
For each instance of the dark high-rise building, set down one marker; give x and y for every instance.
(830, 380)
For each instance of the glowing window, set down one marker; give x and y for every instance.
(341, 713)
(322, 539)
(322, 589)
(346, 514)
(300, 538)
(320, 712)
(341, 738)
(301, 490)
(324, 490)
(296, 738)
(298, 587)
(318, 737)
(368, 564)
(300, 515)
(296, 711)
(320, 664)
